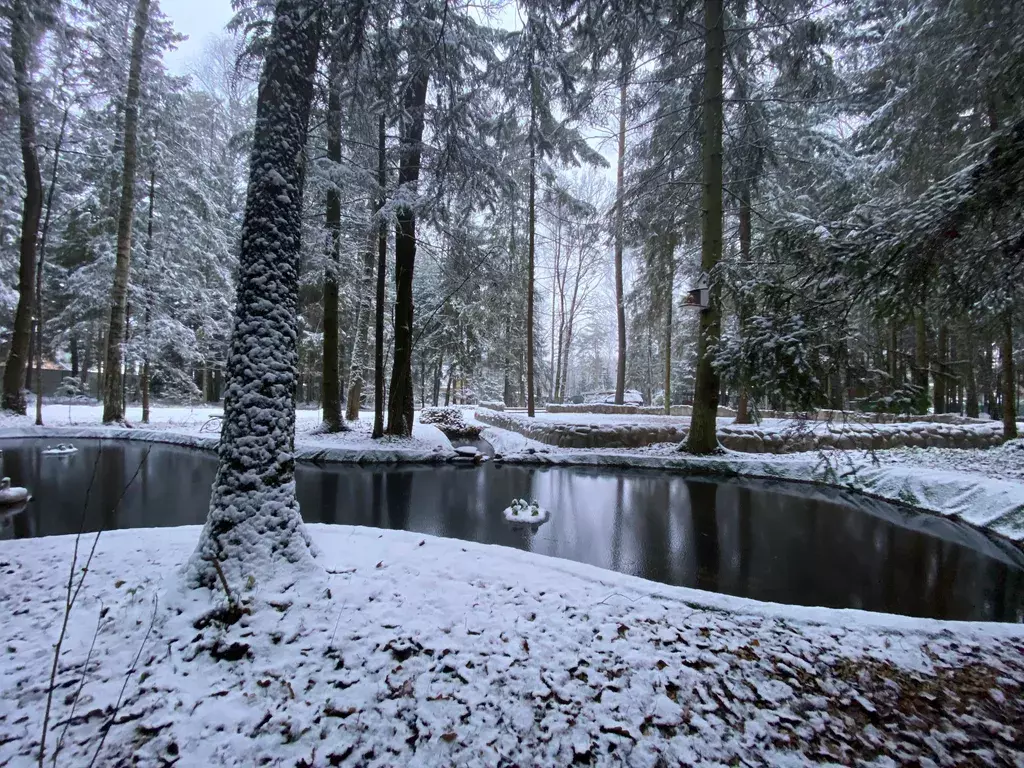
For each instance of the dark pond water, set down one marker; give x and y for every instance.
(784, 543)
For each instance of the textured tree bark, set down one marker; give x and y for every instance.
(148, 301)
(254, 520)
(330, 357)
(113, 403)
(400, 400)
(382, 257)
(703, 436)
(1009, 379)
(23, 38)
(620, 304)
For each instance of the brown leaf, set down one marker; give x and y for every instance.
(449, 737)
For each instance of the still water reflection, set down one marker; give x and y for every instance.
(778, 542)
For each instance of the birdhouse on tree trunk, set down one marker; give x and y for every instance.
(700, 296)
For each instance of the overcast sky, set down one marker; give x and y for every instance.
(199, 19)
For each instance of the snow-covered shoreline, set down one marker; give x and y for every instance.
(984, 502)
(518, 659)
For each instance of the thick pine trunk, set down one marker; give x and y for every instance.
(382, 257)
(22, 42)
(400, 399)
(254, 519)
(113, 402)
(330, 354)
(620, 304)
(1009, 379)
(703, 437)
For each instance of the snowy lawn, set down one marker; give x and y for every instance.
(200, 426)
(413, 650)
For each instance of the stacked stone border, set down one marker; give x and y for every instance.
(802, 436)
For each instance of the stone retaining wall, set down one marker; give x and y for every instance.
(862, 436)
(566, 435)
(751, 439)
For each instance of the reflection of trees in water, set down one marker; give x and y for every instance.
(705, 532)
(398, 490)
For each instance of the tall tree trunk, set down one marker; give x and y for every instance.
(1009, 379)
(75, 347)
(531, 246)
(23, 39)
(42, 264)
(893, 354)
(670, 279)
(971, 400)
(620, 168)
(921, 360)
(400, 400)
(113, 404)
(359, 344)
(745, 234)
(703, 437)
(330, 357)
(147, 301)
(939, 375)
(531, 242)
(382, 258)
(254, 520)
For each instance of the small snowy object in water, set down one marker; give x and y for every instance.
(62, 449)
(467, 450)
(12, 495)
(523, 511)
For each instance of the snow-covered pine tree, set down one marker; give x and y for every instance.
(254, 519)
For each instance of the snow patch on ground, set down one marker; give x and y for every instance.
(414, 650)
(200, 428)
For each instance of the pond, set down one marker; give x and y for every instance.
(779, 542)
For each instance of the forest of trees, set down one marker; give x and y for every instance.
(512, 201)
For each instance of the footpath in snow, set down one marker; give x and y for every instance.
(413, 650)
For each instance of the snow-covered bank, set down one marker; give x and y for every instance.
(518, 660)
(200, 428)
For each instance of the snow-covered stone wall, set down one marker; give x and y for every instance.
(859, 436)
(803, 436)
(608, 408)
(567, 435)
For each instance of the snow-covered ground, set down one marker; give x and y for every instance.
(516, 659)
(200, 426)
(1004, 462)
